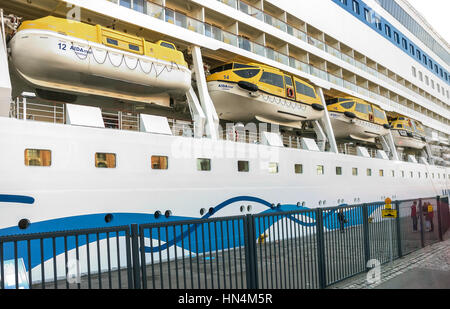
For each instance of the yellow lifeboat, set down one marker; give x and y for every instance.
(56, 55)
(408, 133)
(353, 118)
(245, 92)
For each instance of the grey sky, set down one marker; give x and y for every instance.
(436, 12)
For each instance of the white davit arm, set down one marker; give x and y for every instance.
(5, 81)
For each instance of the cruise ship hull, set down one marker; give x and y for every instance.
(59, 63)
(236, 104)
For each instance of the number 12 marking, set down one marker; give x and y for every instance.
(62, 46)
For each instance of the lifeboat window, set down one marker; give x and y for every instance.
(105, 160)
(298, 168)
(222, 68)
(112, 42)
(348, 105)
(320, 170)
(242, 66)
(203, 164)
(338, 170)
(38, 157)
(243, 166)
(272, 79)
(273, 168)
(400, 126)
(305, 90)
(167, 45)
(288, 81)
(247, 73)
(134, 47)
(362, 108)
(379, 114)
(160, 162)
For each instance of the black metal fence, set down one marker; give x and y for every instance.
(304, 249)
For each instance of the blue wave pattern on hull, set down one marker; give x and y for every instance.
(18, 199)
(217, 232)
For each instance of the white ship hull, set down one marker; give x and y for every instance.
(57, 62)
(236, 104)
(358, 129)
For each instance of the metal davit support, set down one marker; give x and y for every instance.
(391, 143)
(5, 81)
(327, 123)
(212, 119)
(197, 114)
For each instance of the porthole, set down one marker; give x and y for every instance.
(202, 211)
(324, 203)
(168, 213)
(304, 204)
(278, 205)
(108, 218)
(24, 224)
(298, 204)
(242, 208)
(249, 208)
(320, 203)
(157, 214)
(211, 211)
(272, 206)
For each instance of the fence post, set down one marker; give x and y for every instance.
(438, 202)
(321, 249)
(366, 234)
(250, 252)
(135, 256)
(399, 235)
(422, 235)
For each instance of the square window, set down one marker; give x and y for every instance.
(203, 164)
(160, 162)
(338, 170)
(38, 157)
(243, 166)
(393, 173)
(105, 160)
(355, 171)
(369, 172)
(273, 168)
(298, 168)
(381, 173)
(320, 170)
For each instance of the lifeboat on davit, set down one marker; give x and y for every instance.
(353, 118)
(408, 133)
(56, 55)
(245, 92)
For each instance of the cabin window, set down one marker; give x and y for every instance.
(411, 174)
(403, 174)
(379, 114)
(355, 171)
(348, 105)
(105, 160)
(167, 45)
(112, 42)
(338, 170)
(134, 47)
(369, 172)
(272, 79)
(362, 108)
(247, 73)
(305, 90)
(222, 68)
(203, 164)
(396, 38)
(388, 30)
(381, 173)
(298, 168)
(288, 81)
(320, 170)
(242, 66)
(160, 162)
(38, 157)
(243, 166)
(356, 7)
(273, 168)
(399, 126)
(393, 173)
